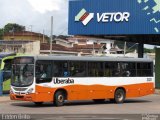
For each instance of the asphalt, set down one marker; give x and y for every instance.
(5, 98)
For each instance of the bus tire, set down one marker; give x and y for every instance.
(98, 100)
(38, 103)
(59, 98)
(119, 96)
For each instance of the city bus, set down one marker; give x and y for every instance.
(58, 79)
(5, 70)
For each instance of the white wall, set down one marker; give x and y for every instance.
(32, 48)
(66, 44)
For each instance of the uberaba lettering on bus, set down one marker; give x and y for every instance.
(63, 81)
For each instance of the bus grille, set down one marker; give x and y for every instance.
(20, 89)
(19, 96)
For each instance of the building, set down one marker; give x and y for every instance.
(92, 49)
(57, 49)
(90, 45)
(64, 42)
(19, 46)
(93, 41)
(107, 44)
(26, 35)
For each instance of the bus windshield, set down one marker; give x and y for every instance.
(22, 71)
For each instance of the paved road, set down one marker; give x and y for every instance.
(149, 104)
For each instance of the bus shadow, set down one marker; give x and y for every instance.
(79, 103)
(136, 101)
(76, 103)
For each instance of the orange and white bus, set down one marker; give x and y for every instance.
(59, 78)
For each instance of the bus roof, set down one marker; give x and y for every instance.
(6, 54)
(91, 58)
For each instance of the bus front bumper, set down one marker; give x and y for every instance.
(26, 97)
(34, 97)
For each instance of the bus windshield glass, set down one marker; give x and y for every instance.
(22, 71)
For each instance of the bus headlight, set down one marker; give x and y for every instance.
(11, 91)
(30, 91)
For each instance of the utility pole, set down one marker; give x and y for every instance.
(51, 35)
(13, 38)
(43, 35)
(93, 49)
(125, 48)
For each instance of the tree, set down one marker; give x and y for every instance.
(13, 27)
(1, 34)
(146, 50)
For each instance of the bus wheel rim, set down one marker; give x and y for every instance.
(120, 96)
(60, 98)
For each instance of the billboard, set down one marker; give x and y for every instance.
(114, 17)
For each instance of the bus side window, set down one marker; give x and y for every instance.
(43, 71)
(77, 69)
(115, 68)
(60, 69)
(144, 69)
(95, 69)
(107, 69)
(125, 71)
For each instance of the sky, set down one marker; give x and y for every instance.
(36, 13)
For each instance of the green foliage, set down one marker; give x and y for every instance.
(149, 50)
(13, 27)
(1, 34)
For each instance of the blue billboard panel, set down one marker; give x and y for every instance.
(112, 17)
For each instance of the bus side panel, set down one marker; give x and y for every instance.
(147, 89)
(44, 94)
(101, 92)
(89, 92)
(138, 90)
(76, 92)
(84, 92)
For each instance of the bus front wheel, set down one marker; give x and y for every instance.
(59, 98)
(119, 96)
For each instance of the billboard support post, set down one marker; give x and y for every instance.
(140, 50)
(157, 69)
